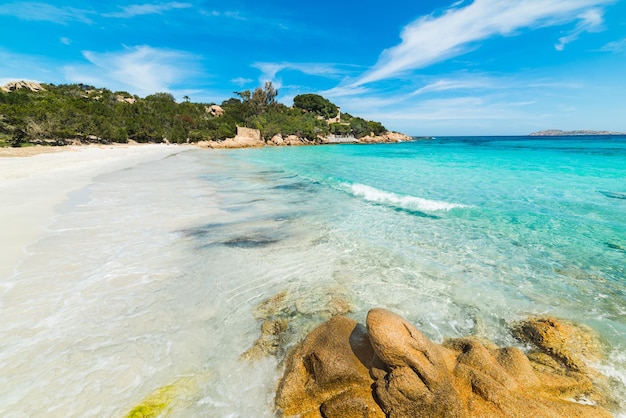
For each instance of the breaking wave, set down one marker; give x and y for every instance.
(408, 202)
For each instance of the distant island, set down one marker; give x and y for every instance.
(74, 114)
(557, 132)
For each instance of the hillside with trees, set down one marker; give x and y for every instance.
(77, 113)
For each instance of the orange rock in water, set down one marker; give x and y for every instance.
(392, 369)
(328, 374)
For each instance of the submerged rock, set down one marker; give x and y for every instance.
(251, 241)
(286, 315)
(392, 369)
(270, 342)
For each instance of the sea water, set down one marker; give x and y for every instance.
(146, 285)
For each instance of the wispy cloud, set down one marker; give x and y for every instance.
(487, 83)
(241, 81)
(35, 11)
(455, 101)
(141, 69)
(270, 70)
(15, 66)
(345, 91)
(615, 46)
(454, 84)
(471, 114)
(147, 9)
(434, 38)
(591, 21)
(236, 15)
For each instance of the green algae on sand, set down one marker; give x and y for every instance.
(163, 399)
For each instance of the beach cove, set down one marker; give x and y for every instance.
(140, 269)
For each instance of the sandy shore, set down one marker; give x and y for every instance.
(7, 152)
(36, 180)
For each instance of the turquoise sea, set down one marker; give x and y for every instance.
(152, 274)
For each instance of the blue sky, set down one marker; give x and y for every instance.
(483, 67)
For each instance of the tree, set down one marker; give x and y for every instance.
(260, 99)
(245, 95)
(68, 112)
(270, 93)
(316, 104)
(161, 97)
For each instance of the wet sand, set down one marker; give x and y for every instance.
(36, 180)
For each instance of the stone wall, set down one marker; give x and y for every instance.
(249, 133)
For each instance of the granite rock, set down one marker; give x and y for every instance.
(390, 368)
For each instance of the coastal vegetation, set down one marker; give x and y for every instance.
(32, 113)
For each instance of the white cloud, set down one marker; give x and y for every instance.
(454, 84)
(236, 15)
(462, 102)
(147, 9)
(345, 91)
(591, 22)
(14, 66)
(270, 70)
(141, 69)
(432, 38)
(36, 11)
(468, 115)
(615, 46)
(65, 41)
(241, 81)
(486, 82)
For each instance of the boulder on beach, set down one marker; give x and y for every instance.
(330, 371)
(390, 368)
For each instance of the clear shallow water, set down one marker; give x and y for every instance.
(150, 276)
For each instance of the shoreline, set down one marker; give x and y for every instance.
(34, 181)
(229, 143)
(33, 150)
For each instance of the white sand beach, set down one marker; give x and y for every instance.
(35, 180)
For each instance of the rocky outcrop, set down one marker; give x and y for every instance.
(570, 344)
(244, 141)
(214, 110)
(293, 140)
(277, 140)
(124, 99)
(236, 142)
(245, 138)
(385, 138)
(289, 140)
(18, 85)
(328, 374)
(392, 369)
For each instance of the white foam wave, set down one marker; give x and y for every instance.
(373, 194)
